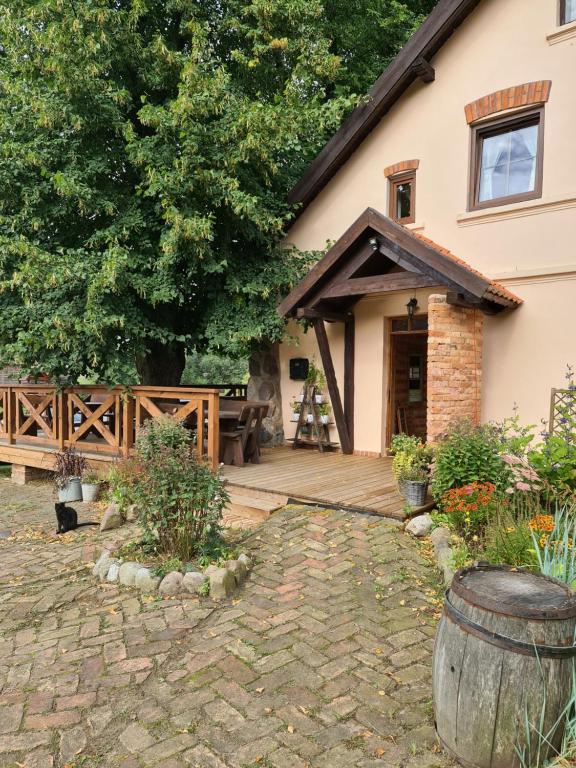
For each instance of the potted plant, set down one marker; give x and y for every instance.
(296, 407)
(409, 454)
(310, 418)
(91, 484)
(324, 412)
(68, 468)
(415, 484)
(316, 379)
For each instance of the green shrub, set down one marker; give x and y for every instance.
(470, 454)
(410, 455)
(214, 369)
(179, 499)
(404, 444)
(508, 540)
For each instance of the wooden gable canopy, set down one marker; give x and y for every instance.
(378, 255)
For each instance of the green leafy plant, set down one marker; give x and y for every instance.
(556, 550)
(315, 377)
(167, 566)
(204, 368)
(469, 454)
(411, 454)
(554, 458)
(404, 444)
(508, 538)
(324, 409)
(180, 500)
(91, 478)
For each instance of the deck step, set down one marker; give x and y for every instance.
(256, 502)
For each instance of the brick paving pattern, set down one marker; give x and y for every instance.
(322, 659)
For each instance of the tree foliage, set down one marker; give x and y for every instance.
(146, 149)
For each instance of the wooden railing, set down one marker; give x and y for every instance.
(237, 391)
(96, 419)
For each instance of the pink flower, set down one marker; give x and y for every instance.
(509, 490)
(511, 459)
(523, 486)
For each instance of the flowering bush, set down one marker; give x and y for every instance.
(178, 497)
(468, 506)
(523, 477)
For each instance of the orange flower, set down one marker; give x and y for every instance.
(541, 523)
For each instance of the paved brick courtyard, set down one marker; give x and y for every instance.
(321, 660)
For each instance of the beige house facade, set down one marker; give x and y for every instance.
(450, 195)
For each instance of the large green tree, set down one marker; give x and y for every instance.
(146, 149)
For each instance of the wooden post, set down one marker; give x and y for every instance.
(349, 339)
(213, 429)
(62, 418)
(10, 419)
(333, 391)
(128, 427)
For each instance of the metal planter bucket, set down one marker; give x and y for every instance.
(415, 492)
(90, 491)
(72, 491)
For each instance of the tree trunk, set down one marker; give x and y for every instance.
(163, 365)
(264, 384)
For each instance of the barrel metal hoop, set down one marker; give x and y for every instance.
(502, 641)
(539, 613)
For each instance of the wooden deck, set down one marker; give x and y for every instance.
(354, 482)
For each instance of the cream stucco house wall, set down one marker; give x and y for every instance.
(472, 65)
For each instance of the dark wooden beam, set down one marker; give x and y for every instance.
(424, 70)
(333, 391)
(470, 302)
(356, 262)
(349, 348)
(308, 313)
(360, 286)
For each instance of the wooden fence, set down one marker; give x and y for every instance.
(102, 421)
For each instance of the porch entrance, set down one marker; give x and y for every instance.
(408, 357)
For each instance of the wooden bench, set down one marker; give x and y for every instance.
(240, 435)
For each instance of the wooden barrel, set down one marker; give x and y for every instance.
(504, 652)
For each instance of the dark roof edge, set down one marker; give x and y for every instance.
(396, 78)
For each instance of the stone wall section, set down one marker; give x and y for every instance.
(264, 384)
(454, 365)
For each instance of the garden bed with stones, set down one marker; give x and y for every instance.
(441, 537)
(215, 581)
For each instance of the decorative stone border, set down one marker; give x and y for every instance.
(441, 537)
(216, 582)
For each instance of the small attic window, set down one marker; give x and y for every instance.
(567, 11)
(403, 197)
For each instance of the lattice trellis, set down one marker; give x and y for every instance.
(562, 409)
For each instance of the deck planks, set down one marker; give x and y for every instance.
(357, 482)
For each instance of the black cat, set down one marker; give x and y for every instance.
(67, 518)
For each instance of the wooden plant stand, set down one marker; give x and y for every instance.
(319, 434)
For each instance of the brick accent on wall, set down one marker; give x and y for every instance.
(525, 95)
(454, 365)
(401, 167)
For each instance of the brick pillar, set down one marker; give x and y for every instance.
(454, 365)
